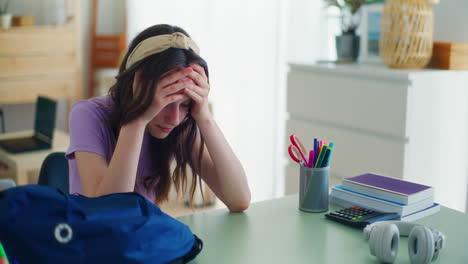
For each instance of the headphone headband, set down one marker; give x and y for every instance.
(404, 227)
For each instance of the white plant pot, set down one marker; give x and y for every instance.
(5, 21)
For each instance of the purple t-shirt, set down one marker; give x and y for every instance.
(90, 132)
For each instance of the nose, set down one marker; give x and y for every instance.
(172, 115)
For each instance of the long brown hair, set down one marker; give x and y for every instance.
(179, 144)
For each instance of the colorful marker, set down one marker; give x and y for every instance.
(332, 145)
(320, 157)
(317, 151)
(311, 159)
(323, 154)
(3, 256)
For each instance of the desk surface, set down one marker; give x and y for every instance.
(275, 231)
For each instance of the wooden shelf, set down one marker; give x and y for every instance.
(41, 60)
(38, 27)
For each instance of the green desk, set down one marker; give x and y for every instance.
(275, 231)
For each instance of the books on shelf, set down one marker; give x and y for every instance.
(387, 188)
(339, 193)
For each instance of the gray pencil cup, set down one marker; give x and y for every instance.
(313, 189)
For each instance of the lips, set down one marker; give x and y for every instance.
(165, 129)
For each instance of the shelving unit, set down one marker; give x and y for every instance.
(105, 53)
(41, 60)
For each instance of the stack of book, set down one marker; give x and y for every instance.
(410, 200)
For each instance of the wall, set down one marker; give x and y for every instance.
(451, 21)
(306, 33)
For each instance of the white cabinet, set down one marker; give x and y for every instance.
(411, 125)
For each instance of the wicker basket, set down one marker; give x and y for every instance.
(406, 34)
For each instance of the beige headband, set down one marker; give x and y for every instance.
(158, 44)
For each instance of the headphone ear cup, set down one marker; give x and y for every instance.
(384, 242)
(420, 245)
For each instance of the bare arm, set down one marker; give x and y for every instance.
(221, 169)
(99, 178)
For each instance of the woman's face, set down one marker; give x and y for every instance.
(170, 116)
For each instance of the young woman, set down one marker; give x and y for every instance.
(153, 126)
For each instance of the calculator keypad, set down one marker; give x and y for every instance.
(359, 217)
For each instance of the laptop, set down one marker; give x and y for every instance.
(44, 126)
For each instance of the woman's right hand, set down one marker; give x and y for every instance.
(168, 90)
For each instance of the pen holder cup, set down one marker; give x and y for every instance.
(313, 189)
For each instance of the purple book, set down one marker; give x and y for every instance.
(391, 189)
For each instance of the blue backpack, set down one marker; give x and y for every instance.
(40, 224)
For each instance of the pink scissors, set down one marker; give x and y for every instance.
(296, 150)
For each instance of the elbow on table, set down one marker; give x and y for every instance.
(240, 205)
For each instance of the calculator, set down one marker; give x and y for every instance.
(360, 217)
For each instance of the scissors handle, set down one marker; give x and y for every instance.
(294, 153)
(299, 145)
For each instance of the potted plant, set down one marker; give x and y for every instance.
(347, 44)
(5, 17)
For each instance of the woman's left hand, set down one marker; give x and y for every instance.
(198, 91)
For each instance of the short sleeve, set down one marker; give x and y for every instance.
(87, 130)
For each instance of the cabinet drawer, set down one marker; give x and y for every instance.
(366, 104)
(354, 153)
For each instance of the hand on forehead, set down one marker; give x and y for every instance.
(176, 77)
(173, 76)
(181, 74)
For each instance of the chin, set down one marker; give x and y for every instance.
(155, 132)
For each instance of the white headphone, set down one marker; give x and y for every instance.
(424, 243)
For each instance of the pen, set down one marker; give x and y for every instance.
(325, 156)
(322, 156)
(316, 149)
(311, 159)
(332, 145)
(319, 158)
